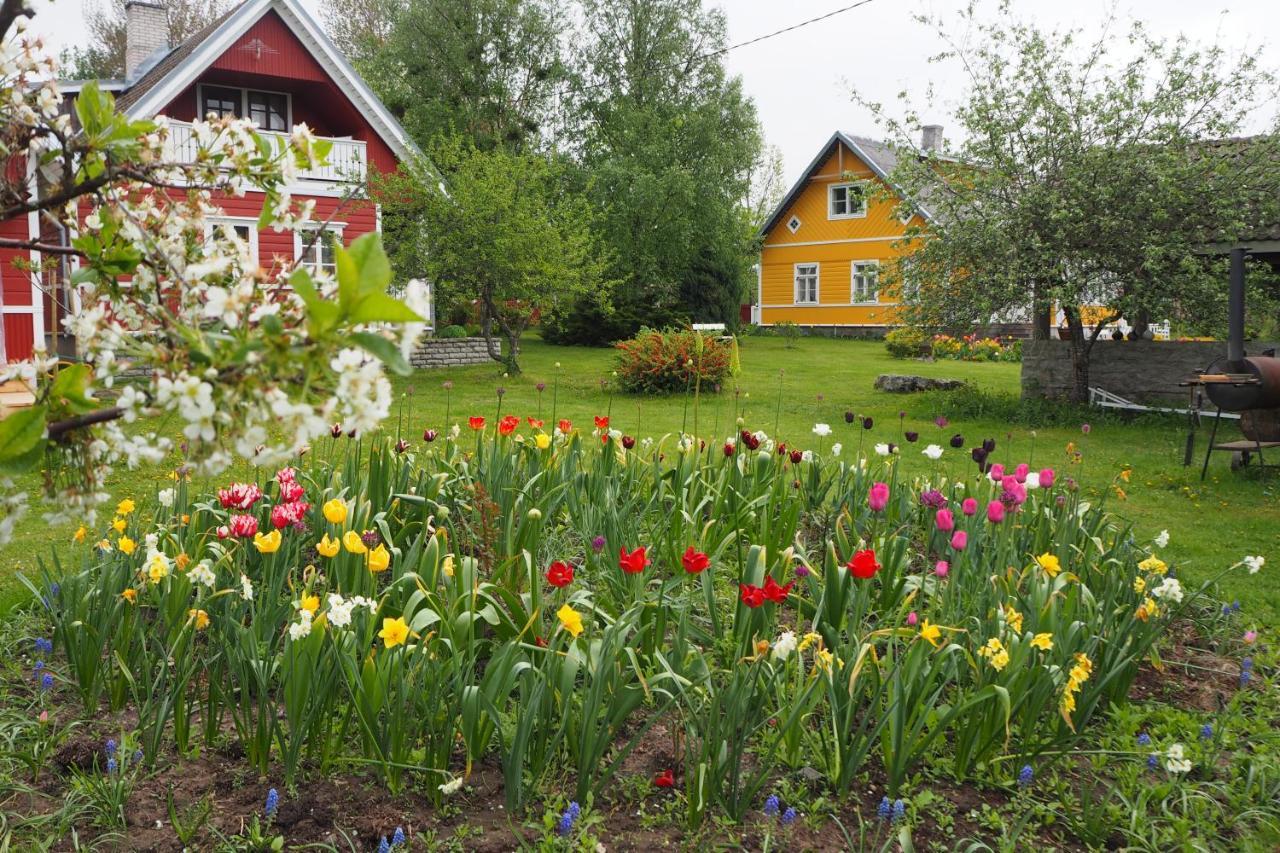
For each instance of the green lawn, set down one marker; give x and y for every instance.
(785, 391)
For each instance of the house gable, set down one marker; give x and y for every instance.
(267, 39)
(840, 162)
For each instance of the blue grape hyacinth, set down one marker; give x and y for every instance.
(789, 816)
(273, 803)
(771, 805)
(899, 810)
(1206, 731)
(384, 846)
(1144, 739)
(569, 818)
(397, 837)
(885, 809)
(1025, 776)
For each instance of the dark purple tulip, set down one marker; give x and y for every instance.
(989, 445)
(957, 441)
(979, 454)
(336, 430)
(541, 386)
(912, 436)
(867, 423)
(429, 435)
(933, 499)
(849, 417)
(402, 446)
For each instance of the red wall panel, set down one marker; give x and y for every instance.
(19, 339)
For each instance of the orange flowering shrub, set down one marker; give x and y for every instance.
(656, 362)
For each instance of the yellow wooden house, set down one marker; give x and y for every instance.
(826, 244)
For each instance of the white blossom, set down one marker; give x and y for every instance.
(822, 430)
(933, 451)
(1254, 564)
(1174, 761)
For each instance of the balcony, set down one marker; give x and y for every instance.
(347, 162)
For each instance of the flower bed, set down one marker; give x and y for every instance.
(544, 601)
(975, 348)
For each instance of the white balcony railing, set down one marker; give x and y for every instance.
(346, 163)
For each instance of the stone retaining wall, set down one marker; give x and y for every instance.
(449, 352)
(1142, 371)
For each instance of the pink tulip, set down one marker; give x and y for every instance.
(912, 619)
(1250, 637)
(878, 497)
(995, 512)
(243, 526)
(946, 521)
(969, 507)
(1046, 478)
(997, 472)
(942, 568)
(1021, 472)
(959, 540)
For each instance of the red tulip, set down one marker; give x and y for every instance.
(565, 426)
(633, 563)
(628, 442)
(752, 596)
(796, 457)
(728, 448)
(864, 565)
(665, 779)
(695, 561)
(476, 423)
(602, 423)
(508, 425)
(560, 574)
(535, 423)
(774, 592)
(429, 435)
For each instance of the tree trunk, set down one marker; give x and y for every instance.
(1040, 315)
(1079, 358)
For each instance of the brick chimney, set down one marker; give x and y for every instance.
(931, 138)
(147, 30)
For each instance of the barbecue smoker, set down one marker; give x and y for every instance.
(1249, 385)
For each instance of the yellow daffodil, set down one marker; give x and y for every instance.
(130, 595)
(268, 544)
(394, 632)
(182, 561)
(327, 547)
(1139, 585)
(158, 568)
(1124, 474)
(995, 653)
(119, 524)
(125, 507)
(202, 619)
(335, 511)
(186, 519)
(1154, 565)
(1013, 619)
(353, 543)
(808, 640)
(1043, 641)
(930, 632)
(80, 533)
(570, 619)
(1146, 610)
(822, 660)
(1050, 564)
(542, 440)
(447, 565)
(1120, 493)
(310, 603)
(126, 545)
(379, 559)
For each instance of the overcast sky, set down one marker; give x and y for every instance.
(801, 80)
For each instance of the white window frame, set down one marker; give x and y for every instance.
(244, 102)
(335, 228)
(857, 269)
(817, 283)
(798, 222)
(846, 185)
(250, 222)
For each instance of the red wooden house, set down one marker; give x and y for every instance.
(266, 60)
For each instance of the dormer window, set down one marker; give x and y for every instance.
(846, 201)
(267, 110)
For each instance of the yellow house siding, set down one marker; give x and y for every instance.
(834, 245)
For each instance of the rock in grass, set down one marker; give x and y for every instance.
(896, 383)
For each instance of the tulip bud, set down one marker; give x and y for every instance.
(534, 514)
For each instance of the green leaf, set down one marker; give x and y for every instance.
(22, 439)
(375, 269)
(71, 388)
(384, 350)
(381, 308)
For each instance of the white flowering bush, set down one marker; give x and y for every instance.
(253, 363)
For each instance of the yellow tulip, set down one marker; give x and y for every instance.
(268, 544)
(353, 543)
(570, 619)
(202, 619)
(126, 545)
(328, 547)
(394, 632)
(542, 440)
(335, 511)
(379, 559)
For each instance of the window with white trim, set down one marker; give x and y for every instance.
(806, 276)
(846, 201)
(245, 228)
(865, 282)
(793, 224)
(268, 110)
(317, 254)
